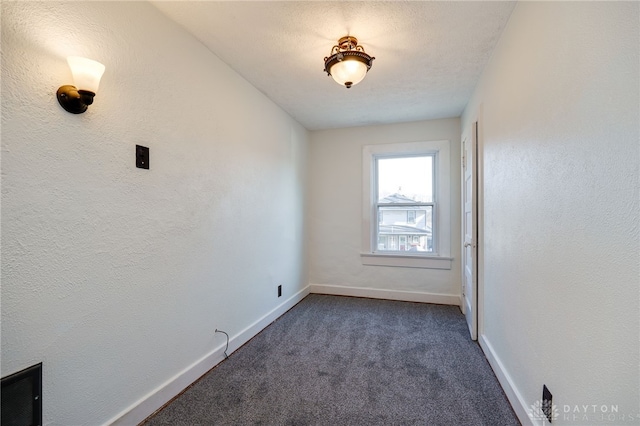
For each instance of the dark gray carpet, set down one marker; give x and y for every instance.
(348, 361)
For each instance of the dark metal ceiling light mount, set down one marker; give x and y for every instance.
(348, 63)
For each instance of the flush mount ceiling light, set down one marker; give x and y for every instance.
(348, 63)
(86, 77)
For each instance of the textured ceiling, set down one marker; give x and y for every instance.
(429, 55)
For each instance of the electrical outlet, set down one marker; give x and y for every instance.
(279, 290)
(547, 403)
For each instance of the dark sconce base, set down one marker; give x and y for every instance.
(73, 100)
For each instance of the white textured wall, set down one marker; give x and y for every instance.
(335, 213)
(561, 155)
(116, 277)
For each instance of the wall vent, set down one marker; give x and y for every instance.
(22, 397)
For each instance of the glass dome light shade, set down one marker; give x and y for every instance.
(348, 72)
(348, 63)
(86, 73)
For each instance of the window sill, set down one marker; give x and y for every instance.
(406, 260)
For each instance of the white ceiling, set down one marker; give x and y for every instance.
(429, 55)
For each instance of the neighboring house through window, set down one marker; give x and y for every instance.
(404, 188)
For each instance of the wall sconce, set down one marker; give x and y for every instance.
(86, 77)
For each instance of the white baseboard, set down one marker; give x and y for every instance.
(519, 405)
(374, 293)
(149, 404)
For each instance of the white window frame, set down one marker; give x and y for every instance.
(440, 257)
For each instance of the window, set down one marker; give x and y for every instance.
(405, 200)
(411, 216)
(406, 208)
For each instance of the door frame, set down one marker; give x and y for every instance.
(480, 220)
(480, 208)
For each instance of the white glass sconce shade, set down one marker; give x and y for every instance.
(86, 73)
(86, 77)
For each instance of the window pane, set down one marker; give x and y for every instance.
(395, 233)
(405, 179)
(411, 216)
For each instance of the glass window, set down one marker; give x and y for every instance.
(411, 216)
(405, 188)
(406, 204)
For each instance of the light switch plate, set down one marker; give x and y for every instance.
(142, 157)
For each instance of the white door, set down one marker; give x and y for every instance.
(470, 231)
